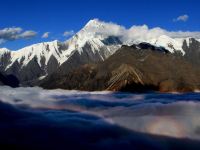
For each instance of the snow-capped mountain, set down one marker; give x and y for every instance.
(41, 59)
(93, 43)
(170, 44)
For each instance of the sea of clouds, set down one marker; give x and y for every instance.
(96, 119)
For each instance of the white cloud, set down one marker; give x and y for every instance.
(103, 28)
(183, 18)
(135, 33)
(15, 33)
(27, 34)
(68, 33)
(46, 35)
(144, 33)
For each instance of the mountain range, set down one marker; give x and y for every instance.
(96, 59)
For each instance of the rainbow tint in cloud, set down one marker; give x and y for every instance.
(170, 115)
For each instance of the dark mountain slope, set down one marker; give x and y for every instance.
(9, 80)
(133, 69)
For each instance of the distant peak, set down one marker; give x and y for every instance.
(50, 42)
(164, 37)
(55, 41)
(3, 50)
(95, 23)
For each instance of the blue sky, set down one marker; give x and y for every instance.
(58, 16)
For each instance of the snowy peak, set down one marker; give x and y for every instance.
(103, 29)
(98, 34)
(94, 32)
(91, 33)
(94, 28)
(96, 41)
(37, 51)
(91, 44)
(4, 50)
(94, 23)
(99, 29)
(168, 43)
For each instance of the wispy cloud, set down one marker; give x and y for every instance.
(68, 33)
(45, 35)
(27, 35)
(15, 33)
(2, 41)
(183, 18)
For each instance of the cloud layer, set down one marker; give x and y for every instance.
(171, 115)
(97, 120)
(135, 33)
(15, 33)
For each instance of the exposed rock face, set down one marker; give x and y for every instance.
(123, 76)
(133, 69)
(192, 51)
(52, 65)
